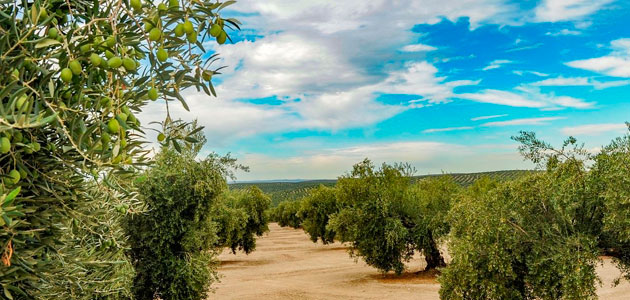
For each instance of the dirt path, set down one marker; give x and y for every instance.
(287, 265)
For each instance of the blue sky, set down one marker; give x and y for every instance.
(314, 86)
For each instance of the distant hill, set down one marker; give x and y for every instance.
(287, 190)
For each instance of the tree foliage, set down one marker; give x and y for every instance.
(387, 219)
(286, 214)
(315, 211)
(241, 216)
(172, 243)
(74, 74)
(540, 237)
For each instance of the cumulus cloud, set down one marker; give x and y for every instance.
(321, 62)
(594, 129)
(285, 65)
(331, 16)
(616, 64)
(567, 10)
(421, 78)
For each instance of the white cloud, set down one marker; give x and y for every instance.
(332, 16)
(617, 63)
(497, 63)
(285, 65)
(420, 78)
(567, 10)
(564, 32)
(520, 73)
(225, 121)
(527, 47)
(431, 130)
(524, 121)
(526, 97)
(417, 48)
(580, 81)
(594, 129)
(354, 108)
(488, 117)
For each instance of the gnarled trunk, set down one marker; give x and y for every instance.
(432, 254)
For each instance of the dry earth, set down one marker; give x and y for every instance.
(287, 265)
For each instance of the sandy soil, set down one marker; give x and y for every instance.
(287, 265)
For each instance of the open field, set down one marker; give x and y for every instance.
(287, 265)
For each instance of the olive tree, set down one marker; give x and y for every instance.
(73, 76)
(611, 176)
(241, 215)
(315, 211)
(172, 242)
(387, 219)
(286, 214)
(540, 237)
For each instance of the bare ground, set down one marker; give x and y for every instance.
(287, 265)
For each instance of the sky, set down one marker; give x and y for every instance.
(312, 87)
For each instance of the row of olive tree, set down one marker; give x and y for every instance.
(537, 237)
(286, 214)
(382, 213)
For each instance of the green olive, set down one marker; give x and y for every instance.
(136, 5)
(188, 27)
(5, 145)
(75, 67)
(155, 34)
(129, 64)
(95, 59)
(162, 55)
(52, 33)
(215, 30)
(113, 126)
(192, 37)
(66, 75)
(221, 38)
(114, 62)
(153, 94)
(14, 176)
(179, 30)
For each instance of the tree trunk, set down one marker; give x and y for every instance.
(432, 254)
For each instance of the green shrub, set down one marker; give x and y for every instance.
(172, 243)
